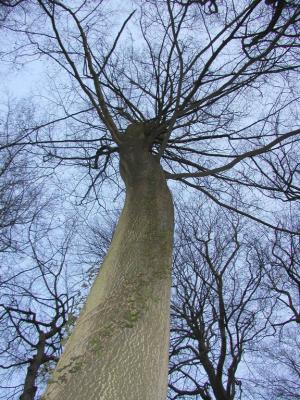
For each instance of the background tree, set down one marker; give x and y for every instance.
(234, 309)
(219, 306)
(36, 299)
(279, 256)
(35, 312)
(175, 106)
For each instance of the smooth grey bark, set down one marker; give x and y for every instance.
(119, 347)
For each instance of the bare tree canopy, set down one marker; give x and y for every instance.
(201, 94)
(216, 93)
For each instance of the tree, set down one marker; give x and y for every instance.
(36, 311)
(219, 306)
(279, 256)
(234, 308)
(37, 304)
(172, 107)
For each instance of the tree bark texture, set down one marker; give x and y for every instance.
(119, 347)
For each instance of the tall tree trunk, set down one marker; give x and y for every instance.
(119, 347)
